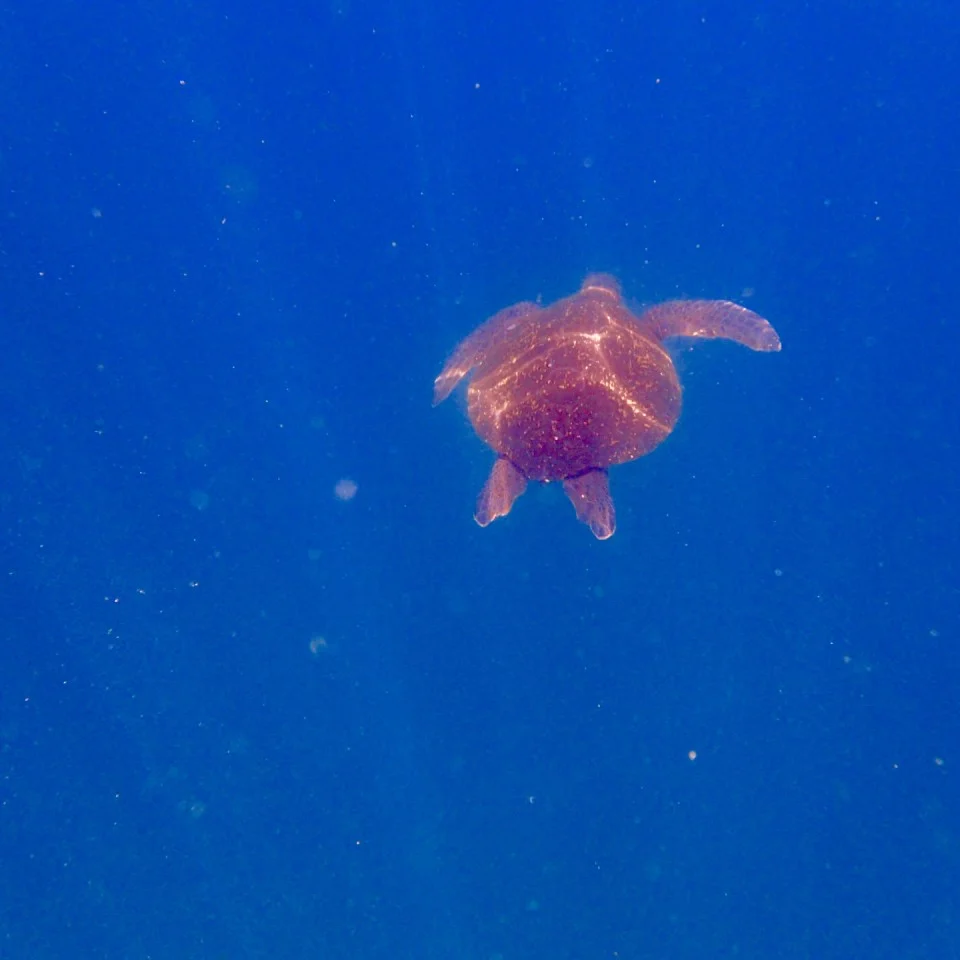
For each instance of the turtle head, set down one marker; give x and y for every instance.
(603, 284)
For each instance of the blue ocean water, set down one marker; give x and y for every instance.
(266, 690)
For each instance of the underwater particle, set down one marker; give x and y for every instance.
(194, 809)
(345, 489)
(318, 645)
(199, 499)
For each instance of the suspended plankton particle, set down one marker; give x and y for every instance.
(345, 489)
(199, 499)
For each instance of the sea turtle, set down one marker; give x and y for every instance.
(565, 391)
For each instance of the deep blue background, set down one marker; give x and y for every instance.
(237, 244)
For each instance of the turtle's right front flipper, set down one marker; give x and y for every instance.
(712, 320)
